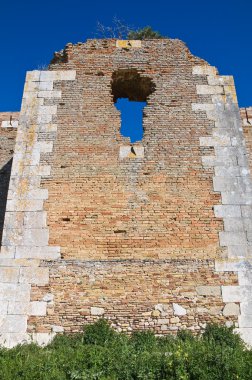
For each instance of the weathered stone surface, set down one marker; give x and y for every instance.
(37, 308)
(97, 310)
(39, 276)
(231, 309)
(205, 290)
(178, 310)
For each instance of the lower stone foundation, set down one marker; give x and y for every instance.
(164, 296)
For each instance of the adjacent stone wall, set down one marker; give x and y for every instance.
(232, 179)
(246, 116)
(25, 234)
(8, 128)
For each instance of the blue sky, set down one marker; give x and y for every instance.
(30, 31)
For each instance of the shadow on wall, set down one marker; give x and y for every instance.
(5, 173)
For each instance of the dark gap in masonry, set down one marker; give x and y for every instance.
(130, 92)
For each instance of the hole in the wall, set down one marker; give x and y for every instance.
(130, 93)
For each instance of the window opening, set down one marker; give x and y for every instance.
(131, 118)
(130, 92)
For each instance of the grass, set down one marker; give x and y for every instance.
(99, 353)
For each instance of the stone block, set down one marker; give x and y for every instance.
(45, 86)
(32, 194)
(227, 211)
(245, 277)
(7, 252)
(246, 211)
(49, 94)
(237, 293)
(245, 321)
(12, 236)
(37, 276)
(163, 321)
(204, 70)
(31, 87)
(206, 290)
(12, 292)
(18, 308)
(35, 219)
(178, 309)
(48, 128)
(9, 274)
(126, 152)
(246, 308)
(44, 146)
(42, 339)
(233, 225)
(3, 307)
(235, 198)
(97, 311)
(10, 340)
(215, 141)
(226, 184)
(24, 205)
(57, 329)
(19, 262)
(128, 44)
(35, 237)
(44, 118)
(238, 252)
(202, 106)
(203, 89)
(13, 324)
(245, 334)
(232, 238)
(42, 253)
(48, 297)
(224, 80)
(44, 170)
(208, 161)
(37, 308)
(231, 309)
(47, 110)
(57, 75)
(32, 76)
(6, 124)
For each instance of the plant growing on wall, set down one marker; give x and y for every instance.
(146, 33)
(119, 29)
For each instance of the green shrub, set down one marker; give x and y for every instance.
(99, 353)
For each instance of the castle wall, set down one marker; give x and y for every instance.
(7, 143)
(155, 240)
(246, 116)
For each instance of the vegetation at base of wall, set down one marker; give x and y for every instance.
(99, 353)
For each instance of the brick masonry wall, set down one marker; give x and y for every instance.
(157, 206)
(132, 213)
(7, 143)
(147, 241)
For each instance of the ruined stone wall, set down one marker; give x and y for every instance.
(157, 239)
(7, 143)
(115, 207)
(246, 116)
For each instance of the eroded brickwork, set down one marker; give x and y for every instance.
(150, 235)
(165, 295)
(158, 206)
